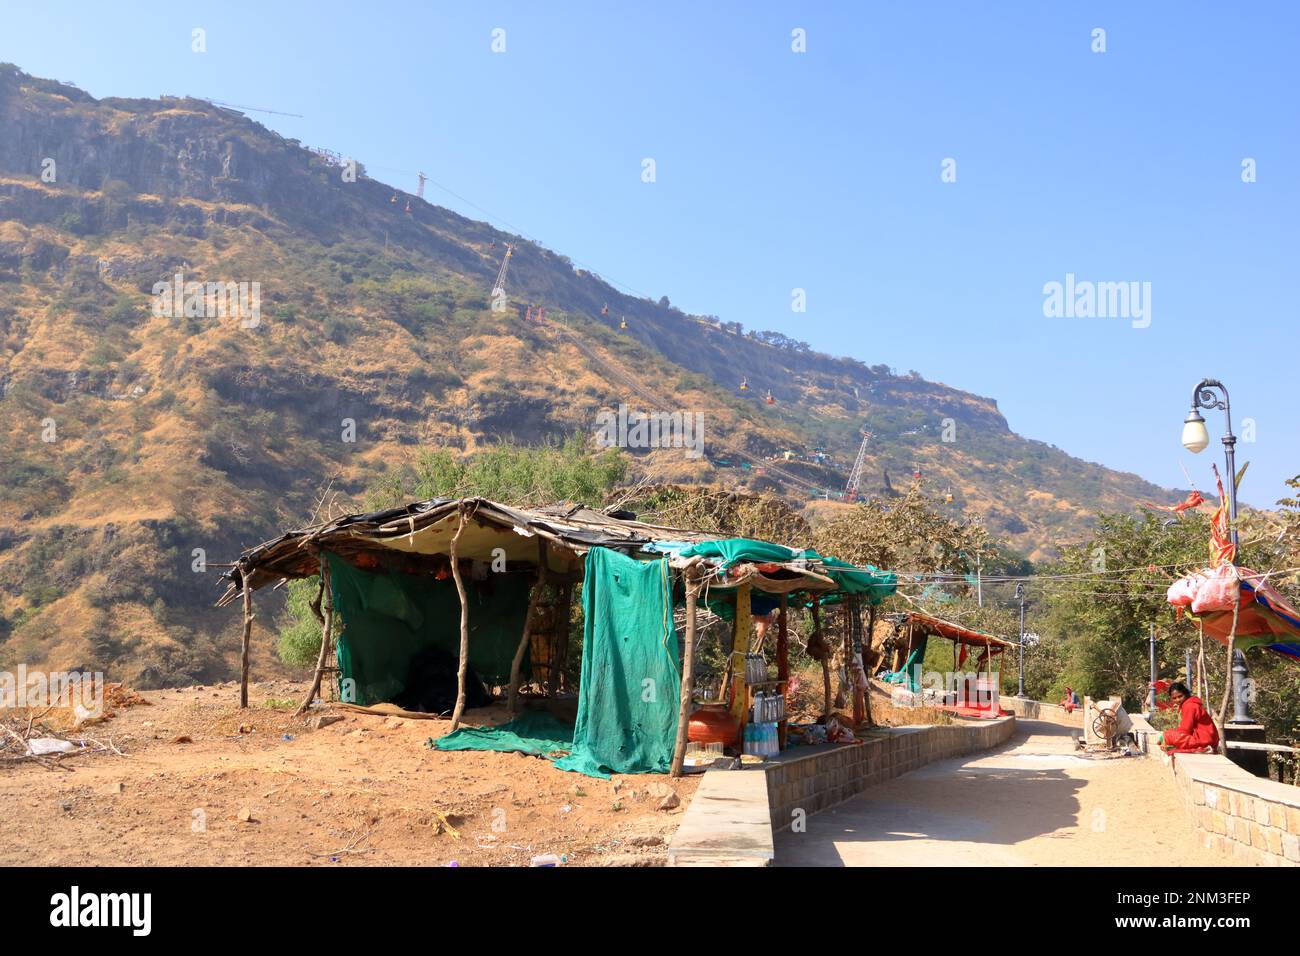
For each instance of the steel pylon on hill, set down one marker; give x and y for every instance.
(499, 286)
(855, 476)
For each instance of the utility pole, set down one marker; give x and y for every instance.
(1151, 696)
(1020, 593)
(979, 581)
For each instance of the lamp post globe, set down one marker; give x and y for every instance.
(1195, 436)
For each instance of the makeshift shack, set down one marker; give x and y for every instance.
(483, 589)
(973, 690)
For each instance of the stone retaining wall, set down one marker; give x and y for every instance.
(813, 779)
(1038, 710)
(1251, 819)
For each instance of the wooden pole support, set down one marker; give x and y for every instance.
(688, 679)
(845, 694)
(782, 640)
(248, 637)
(512, 697)
(826, 658)
(325, 599)
(783, 658)
(859, 695)
(866, 654)
(563, 608)
(464, 623)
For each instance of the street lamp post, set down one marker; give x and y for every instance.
(1195, 439)
(1020, 593)
(1155, 673)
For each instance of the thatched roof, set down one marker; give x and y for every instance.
(417, 537)
(929, 624)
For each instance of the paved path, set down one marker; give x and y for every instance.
(1031, 802)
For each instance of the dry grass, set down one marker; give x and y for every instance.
(805, 704)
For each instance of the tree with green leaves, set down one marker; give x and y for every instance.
(911, 533)
(298, 644)
(717, 511)
(1104, 596)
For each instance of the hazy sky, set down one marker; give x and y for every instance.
(821, 170)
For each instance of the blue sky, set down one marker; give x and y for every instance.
(778, 170)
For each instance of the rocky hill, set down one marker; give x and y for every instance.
(140, 445)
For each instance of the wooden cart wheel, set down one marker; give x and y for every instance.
(1105, 723)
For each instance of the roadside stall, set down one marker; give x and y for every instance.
(970, 690)
(446, 603)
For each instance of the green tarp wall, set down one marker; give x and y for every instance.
(630, 687)
(909, 674)
(389, 617)
(631, 683)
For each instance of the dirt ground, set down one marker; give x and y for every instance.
(204, 783)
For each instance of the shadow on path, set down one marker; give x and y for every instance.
(963, 811)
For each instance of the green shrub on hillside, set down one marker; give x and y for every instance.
(298, 644)
(572, 471)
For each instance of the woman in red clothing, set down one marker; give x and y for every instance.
(1196, 730)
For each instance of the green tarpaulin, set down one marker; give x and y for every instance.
(631, 681)
(909, 674)
(731, 550)
(389, 617)
(872, 583)
(532, 732)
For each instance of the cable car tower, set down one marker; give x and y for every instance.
(855, 475)
(499, 286)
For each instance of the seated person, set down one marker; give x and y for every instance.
(1196, 731)
(1070, 701)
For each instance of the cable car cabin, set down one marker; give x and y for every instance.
(622, 323)
(769, 399)
(394, 199)
(604, 310)
(744, 385)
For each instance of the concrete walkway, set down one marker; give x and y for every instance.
(1032, 802)
(727, 823)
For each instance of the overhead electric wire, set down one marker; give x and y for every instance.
(493, 218)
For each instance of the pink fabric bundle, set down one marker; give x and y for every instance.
(1218, 592)
(1183, 591)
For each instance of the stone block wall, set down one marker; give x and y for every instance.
(1253, 820)
(1037, 710)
